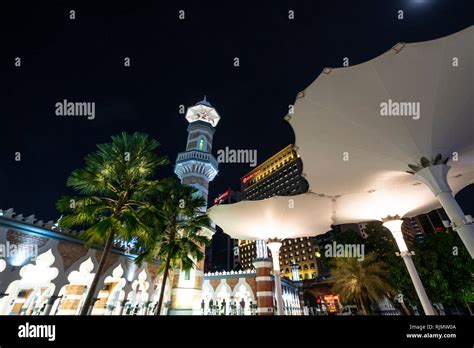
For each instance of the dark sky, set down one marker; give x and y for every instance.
(176, 62)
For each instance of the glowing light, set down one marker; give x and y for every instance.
(395, 226)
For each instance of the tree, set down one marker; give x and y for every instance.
(178, 222)
(361, 281)
(446, 268)
(442, 261)
(113, 188)
(380, 242)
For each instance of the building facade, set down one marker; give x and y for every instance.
(416, 228)
(45, 270)
(222, 254)
(279, 175)
(249, 292)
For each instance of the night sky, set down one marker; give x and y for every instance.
(177, 62)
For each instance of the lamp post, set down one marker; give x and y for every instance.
(394, 224)
(274, 246)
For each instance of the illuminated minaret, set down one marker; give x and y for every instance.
(195, 167)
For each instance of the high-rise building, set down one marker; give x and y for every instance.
(195, 167)
(279, 175)
(416, 228)
(222, 254)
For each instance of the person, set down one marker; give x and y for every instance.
(223, 307)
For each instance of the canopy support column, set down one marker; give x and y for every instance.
(274, 246)
(435, 177)
(394, 224)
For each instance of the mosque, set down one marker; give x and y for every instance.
(54, 276)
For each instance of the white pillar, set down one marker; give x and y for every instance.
(274, 246)
(295, 272)
(395, 226)
(435, 177)
(261, 249)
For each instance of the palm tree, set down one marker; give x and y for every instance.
(113, 188)
(177, 240)
(361, 281)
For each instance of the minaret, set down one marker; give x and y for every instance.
(196, 167)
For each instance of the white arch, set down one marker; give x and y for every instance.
(29, 295)
(208, 294)
(111, 295)
(243, 291)
(75, 292)
(223, 292)
(138, 297)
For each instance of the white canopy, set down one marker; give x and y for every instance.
(356, 159)
(276, 217)
(347, 146)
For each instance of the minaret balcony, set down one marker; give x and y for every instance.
(198, 162)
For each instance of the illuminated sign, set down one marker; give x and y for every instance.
(250, 176)
(222, 196)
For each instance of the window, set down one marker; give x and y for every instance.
(201, 144)
(187, 274)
